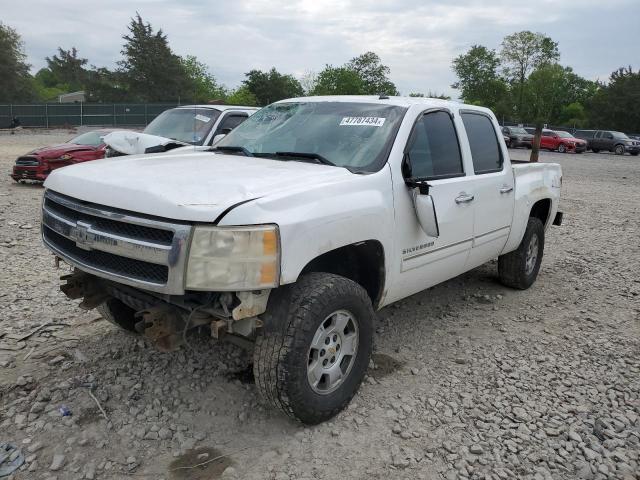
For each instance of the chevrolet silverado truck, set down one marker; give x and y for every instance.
(290, 233)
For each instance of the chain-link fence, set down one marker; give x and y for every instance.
(79, 114)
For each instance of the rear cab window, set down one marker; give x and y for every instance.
(483, 142)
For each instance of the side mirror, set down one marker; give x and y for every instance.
(217, 138)
(424, 206)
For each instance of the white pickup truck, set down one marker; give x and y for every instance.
(296, 227)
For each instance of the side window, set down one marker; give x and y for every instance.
(231, 122)
(485, 150)
(434, 151)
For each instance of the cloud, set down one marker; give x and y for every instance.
(416, 39)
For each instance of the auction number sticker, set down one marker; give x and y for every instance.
(363, 121)
(203, 118)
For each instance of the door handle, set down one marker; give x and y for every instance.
(506, 189)
(464, 198)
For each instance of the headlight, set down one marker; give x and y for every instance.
(629, 142)
(234, 258)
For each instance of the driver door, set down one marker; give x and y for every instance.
(433, 153)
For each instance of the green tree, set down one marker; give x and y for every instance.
(373, 73)
(242, 96)
(271, 86)
(338, 81)
(478, 79)
(521, 53)
(152, 72)
(106, 86)
(543, 93)
(574, 115)
(67, 70)
(15, 80)
(203, 84)
(615, 105)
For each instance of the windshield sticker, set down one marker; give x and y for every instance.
(359, 121)
(203, 118)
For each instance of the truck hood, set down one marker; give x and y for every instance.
(131, 143)
(197, 186)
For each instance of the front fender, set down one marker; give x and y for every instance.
(317, 220)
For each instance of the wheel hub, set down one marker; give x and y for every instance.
(332, 352)
(532, 255)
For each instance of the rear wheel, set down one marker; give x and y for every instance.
(619, 150)
(519, 269)
(116, 312)
(315, 347)
(562, 148)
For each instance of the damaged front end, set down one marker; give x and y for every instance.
(166, 319)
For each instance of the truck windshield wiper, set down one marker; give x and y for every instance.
(233, 149)
(307, 155)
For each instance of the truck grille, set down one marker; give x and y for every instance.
(134, 250)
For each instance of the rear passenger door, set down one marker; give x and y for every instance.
(493, 186)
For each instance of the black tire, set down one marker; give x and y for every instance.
(283, 347)
(595, 150)
(116, 312)
(635, 154)
(512, 266)
(619, 150)
(562, 148)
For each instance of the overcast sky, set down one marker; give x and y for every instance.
(417, 39)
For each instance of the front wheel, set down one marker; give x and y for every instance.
(562, 148)
(595, 150)
(519, 269)
(619, 150)
(314, 350)
(635, 154)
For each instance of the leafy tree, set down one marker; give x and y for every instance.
(477, 72)
(271, 86)
(431, 94)
(242, 96)
(374, 75)
(308, 81)
(203, 84)
(15, 79)
(615, 105)
(544, 89)
(338, 81)
(104, 85)
(573, 114)
(151, 70)
(521, 53)
(67, 70)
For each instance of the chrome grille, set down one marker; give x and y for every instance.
(134, 250)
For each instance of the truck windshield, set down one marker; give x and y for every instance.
(188, 125)
(619, 135)
(354, 135)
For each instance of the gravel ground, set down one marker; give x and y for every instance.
(469, 380)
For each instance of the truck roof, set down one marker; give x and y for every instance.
(220, 108)
(384, 100)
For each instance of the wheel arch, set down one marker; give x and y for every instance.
(362, 262)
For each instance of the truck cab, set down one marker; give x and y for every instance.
(296, 227)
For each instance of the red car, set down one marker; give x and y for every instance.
(37, 164)
(561, 141)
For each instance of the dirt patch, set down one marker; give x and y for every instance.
(212, 463)
(384, 365)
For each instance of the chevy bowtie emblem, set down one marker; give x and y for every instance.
(80, 233)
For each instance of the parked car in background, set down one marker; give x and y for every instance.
(530, 130)
(196, 125)
(518, 137)
(613, 141)
(37, 164)
(562, 142)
